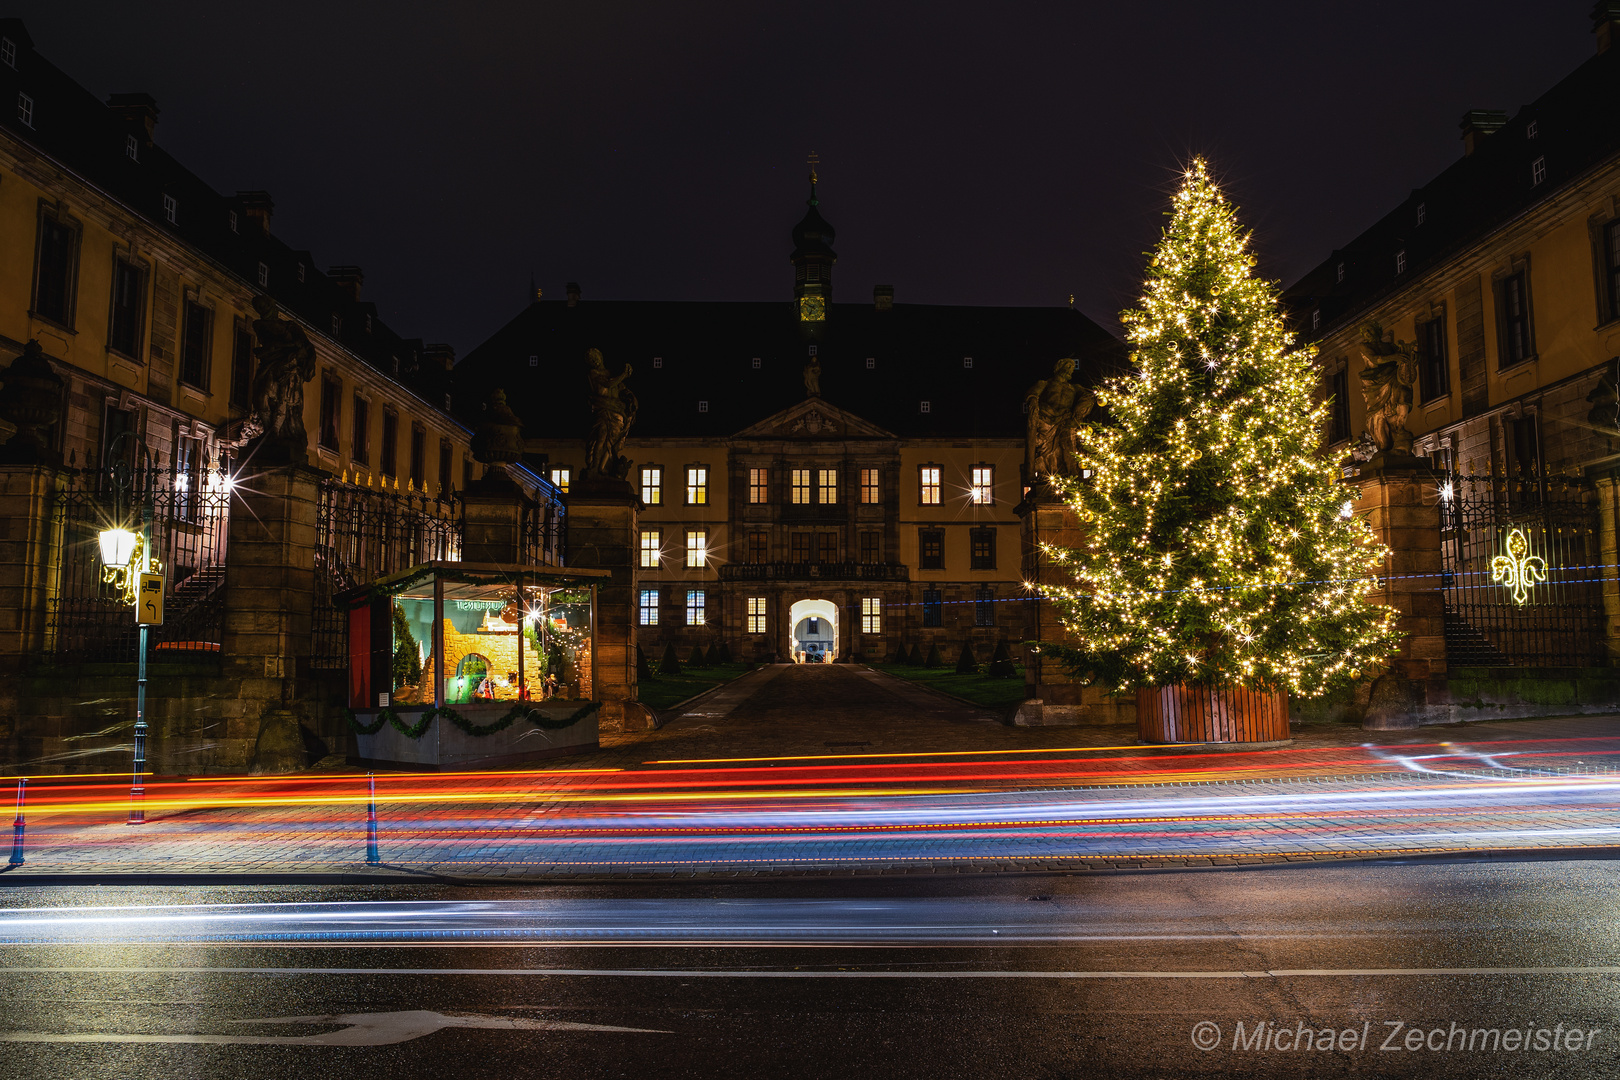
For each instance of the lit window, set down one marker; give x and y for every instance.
(697, 486)
(561, 477)
(697, 548)
(652, 486)
(696, 607)
(984, 485)
(827, 493)
(8, 52)
(132, 148)
(967, 362)
(871, 615)
(801, 487)
(649, 607)
(264, 275)
(230, 218)
(928, 493)
(703, 406)
(658, 361)
(1538, 171)
(25, 109)
(1400, 262)
(652, 542)
(871, 362)
(926, 406)
(1422, 212)
(1339, 271)
(1316, 319)
(758, 485)
(756, 615)
(756, 363)
(869, 487)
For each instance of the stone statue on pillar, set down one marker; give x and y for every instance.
(499, 437)
(1386, 385)
(1055, 408)
(812, 378)
(286, 363)
(613, 411)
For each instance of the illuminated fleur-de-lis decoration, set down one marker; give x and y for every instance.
(1518, 569)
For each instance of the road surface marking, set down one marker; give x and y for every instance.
(360, 1029)
(693, 973)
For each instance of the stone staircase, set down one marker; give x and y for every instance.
(1467, 647)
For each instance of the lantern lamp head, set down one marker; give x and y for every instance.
(117, 547)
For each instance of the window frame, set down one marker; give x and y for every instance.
(331, 415)
(561, 476)
(50, 217)
(758, 546)
(933, 607)
(982, 489)
(1339, 422)
(759, 485)
(1434, 371)
(171, 209)
(652, 485)
(1518, 273)
(446, 456)
(926, 537)
(360, 429)
(697, 607)
(418, 476)
(241, 388)
(697, 548)
(756, 611)
(204, 361)
(124, 269)
(650, 548)
(647, 612)
(389, 451)
(799, 547)
(871, 487)
(982, 548)
(827, 486)
(930, 484)
(984, 605)
(1606, 267)
(799, 487)
(25, 109)
(871, 547)
(871, 614)
(697, 485)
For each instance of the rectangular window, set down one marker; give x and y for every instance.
(360, 435)
(758, 485)
(799, 545)
(196, 348)
(187, 476)
(758, 546)
(1538, 171)
(242, 368)
(697, 548)
(444, 465)
(25, 109)
(171, 210)
(1525, 444)
(128, 308)
(8, 52)
(1516, 345)
(56, 270)
(697, 486)
(652, 486)
(827, 487)
(982, 549)
(928, 485)
(652, 544)
(418, 457)
(801, 487)
(1341, 407)
(871, 547)
(931, 549)
(869, 487)
(756, 615)
(983, 491)
(562, 478)
(331, 396)
(871, 615)
(1434, 378)
(1611, 260)
(696, 607)
(984, 606)
(826, 547)
(933, 607)
(1400, 262)
(390, 443)
(648, 607)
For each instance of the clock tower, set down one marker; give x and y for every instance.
(812, 258)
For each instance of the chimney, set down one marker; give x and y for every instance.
(440, 355)
(1478, 123)
(883, 297)
(1606, 23)
(257, 207)
(573, 294)
(349, 279)
(137, 110)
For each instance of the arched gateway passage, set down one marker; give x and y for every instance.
(815, 630)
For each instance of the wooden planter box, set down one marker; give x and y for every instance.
(445, 746)
(1208, 714)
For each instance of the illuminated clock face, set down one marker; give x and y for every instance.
(812, 309)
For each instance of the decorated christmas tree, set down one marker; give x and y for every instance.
(1219, 547)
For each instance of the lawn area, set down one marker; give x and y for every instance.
(662, 691)
(980, 689)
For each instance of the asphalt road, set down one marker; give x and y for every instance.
(1078, 976)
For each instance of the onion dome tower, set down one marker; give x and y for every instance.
(812, 258)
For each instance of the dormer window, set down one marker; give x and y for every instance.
(926, 406)
(25, 109)
(1422, 212)
(1538, 171)
(703, 406)
(1338, 272)
(1316, 319)
(264, 275)
(967, 362)
(756, 363)
(171, 209)
(132, 148)
(230, 218)
(658, 361)
(300, 273)
(337, 331)
(534, 361)
(871, 362)
(8, 52)
(1400, 262)
(368, 322)
(1530, 130)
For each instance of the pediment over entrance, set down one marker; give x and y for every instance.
(814, 418)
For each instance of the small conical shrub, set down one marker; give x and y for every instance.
(899, 656)
(670, 664)
(1001, 664)
(967, 663)
(697, 659)
(721, 654)
(643, 669)
(934, 659)
(915, 657)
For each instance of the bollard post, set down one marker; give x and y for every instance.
(371, 822)
(18, 826)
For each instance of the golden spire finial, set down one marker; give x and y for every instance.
(813, 160)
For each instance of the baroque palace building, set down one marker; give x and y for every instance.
(837, 480)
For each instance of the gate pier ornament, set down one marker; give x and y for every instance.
(1386, 386)
(613, 411)
(1056, 407)
(286, 363)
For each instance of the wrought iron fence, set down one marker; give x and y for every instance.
(1522, 576)
(545, 533)
(363, 534)
(190, 519)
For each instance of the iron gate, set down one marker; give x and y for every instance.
(1522, 576)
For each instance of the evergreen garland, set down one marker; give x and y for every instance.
(521, 710)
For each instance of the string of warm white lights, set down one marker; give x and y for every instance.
(1216, 547)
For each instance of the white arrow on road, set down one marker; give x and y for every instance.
(362, 1029)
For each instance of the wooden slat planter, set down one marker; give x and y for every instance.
(1206, 714)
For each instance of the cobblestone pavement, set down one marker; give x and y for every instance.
(863, 773)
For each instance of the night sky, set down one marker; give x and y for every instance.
(970, 153)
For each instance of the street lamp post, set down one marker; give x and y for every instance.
(128, 560)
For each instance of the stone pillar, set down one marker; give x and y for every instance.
(29, 552)
(269, 609)
(1400, 500)
(1608, 514)
(492, 516)
(603, 519)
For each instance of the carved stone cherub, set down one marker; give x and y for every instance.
(1386, 385)
(1056, 407)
